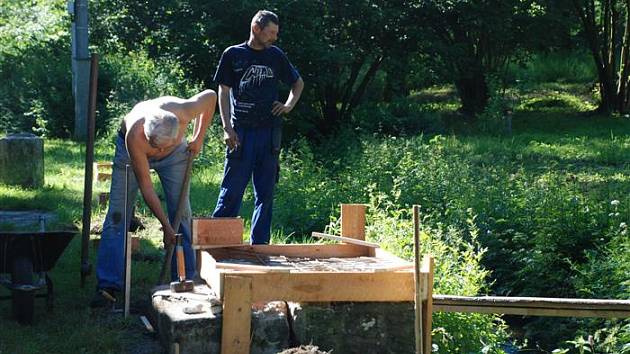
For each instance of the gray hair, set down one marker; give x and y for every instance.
(263, 17)
(161, 126)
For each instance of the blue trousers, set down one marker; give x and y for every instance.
(171, 170)
(255, 160)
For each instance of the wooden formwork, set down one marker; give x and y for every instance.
(102, 171)
(239, 285)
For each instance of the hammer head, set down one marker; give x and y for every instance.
(182, 286)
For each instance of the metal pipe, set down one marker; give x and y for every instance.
(418, 287)
(86, 267)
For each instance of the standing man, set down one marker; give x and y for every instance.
(151, 136)
(248, 75)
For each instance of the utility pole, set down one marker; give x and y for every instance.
(78, 9)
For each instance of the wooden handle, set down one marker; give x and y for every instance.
(181, 267)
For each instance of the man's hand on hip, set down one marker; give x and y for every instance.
(280, 108)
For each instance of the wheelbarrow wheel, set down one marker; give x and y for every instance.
(23, 300)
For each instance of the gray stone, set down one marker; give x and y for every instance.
(201, 332)
(22, 160)
(356, 327)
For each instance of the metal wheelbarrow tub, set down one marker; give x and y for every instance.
(24, 255)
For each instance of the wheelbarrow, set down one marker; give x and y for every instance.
(28, 257)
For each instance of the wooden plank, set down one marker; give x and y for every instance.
(208, 272)
(353, 221)
(303, 250)
(528, 306)
(542, 302)
(345, 239)
(252, 267)
(207, 247)
(428, 266)
(394, 268)
(102, 171)
(325, 286)
(217, 231)
(237, 305)
(533, 311)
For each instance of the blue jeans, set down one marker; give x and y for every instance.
(254, 160)
(171, 170)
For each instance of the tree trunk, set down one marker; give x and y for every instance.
(473, 92)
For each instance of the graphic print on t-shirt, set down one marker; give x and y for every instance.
(254, 76)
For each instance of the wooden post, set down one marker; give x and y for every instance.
(428, 266)
(353, 225)
(353, 221)
(237, 317)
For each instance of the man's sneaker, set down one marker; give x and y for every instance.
(103, 298)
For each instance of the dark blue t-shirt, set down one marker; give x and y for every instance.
(253, 76)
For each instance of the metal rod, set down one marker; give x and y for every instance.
(416, 261)
(127, 247)
(86, 267)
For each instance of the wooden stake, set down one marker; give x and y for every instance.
(418, 298)
(428, 266)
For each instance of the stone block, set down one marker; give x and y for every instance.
(22, 160)
(192, 322)
(356, 327)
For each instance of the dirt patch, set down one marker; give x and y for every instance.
(304, 349)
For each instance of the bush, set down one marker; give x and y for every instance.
(403, 116)
(128, 78)
(574, 67)
(36, 88)
(458, 271)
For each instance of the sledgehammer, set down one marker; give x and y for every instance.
(182, 285)
(178, 218)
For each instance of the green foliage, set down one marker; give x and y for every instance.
(35, 90)
(126, 79)
(555, 67)
(458, 272)
(614, 338)
(400, 117)
(470, 41)
(542, 198)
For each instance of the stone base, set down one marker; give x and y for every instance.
(192, 323)
(356, 327)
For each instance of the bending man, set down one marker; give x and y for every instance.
(151, 137)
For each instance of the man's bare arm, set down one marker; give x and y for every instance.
(294, 96)
(140, 165)
(206, 101)
(229, 135)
